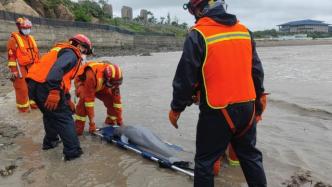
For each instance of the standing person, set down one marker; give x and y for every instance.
(101, 80)
(22, 53)
(49, 83)
(219, 55)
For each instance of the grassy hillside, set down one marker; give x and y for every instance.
(91, 11)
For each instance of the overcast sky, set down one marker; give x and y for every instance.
(256, 14)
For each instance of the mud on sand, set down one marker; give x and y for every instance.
(8, 134)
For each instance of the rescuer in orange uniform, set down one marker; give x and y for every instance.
(49, 83)
(219, 56)
(101, 80)
(22, 53)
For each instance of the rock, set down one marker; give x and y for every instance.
(108, 9)
(63, 12)
(94, 20)
(38, 6)
(19, 6)
(2, 7)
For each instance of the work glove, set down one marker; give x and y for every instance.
(52, 100)
(13, 76)
(260, 105)
(173, 118)
(92, 127)
(196, 98)
(71, 105)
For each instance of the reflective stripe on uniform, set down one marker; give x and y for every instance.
(100, 84)
(116, 105)
(228, 36)
(56, 49)
(93, 64)
(23, 105)
(233, 162)
(32, 102)
(112, 117)
(113, 71)
(33, 41)
(80, 118)
(19, 40)
(89, 104)
(12, 64)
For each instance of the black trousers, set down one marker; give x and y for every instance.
(57, 123)
(213, 136)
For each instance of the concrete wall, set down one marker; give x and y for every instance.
(106, 42)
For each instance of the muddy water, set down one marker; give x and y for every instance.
(295, 134)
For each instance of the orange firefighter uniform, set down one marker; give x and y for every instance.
(92, 82)
(22, 53)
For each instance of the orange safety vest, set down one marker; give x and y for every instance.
(98, 69)
(227, 66)
(39, 71)
(27, 51)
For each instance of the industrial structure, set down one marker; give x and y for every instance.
(304, 26)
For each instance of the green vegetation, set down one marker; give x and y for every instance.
(92, 11)
(274, 33)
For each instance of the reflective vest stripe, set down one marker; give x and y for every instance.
(116, 105)
(56, 49)
(113, 71)
(12, 64)
(19, 40)
(23, 105)
(33, 41)
(80, 118)
(100, 84)
(89, 104)
(228, 36)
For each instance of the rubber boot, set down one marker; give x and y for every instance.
(232, 158)
(92, 128)
(79, 126)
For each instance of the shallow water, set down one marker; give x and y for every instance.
(294, 135)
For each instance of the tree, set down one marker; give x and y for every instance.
(162, 19)
(168, 20)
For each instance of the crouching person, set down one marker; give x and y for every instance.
(98, 80)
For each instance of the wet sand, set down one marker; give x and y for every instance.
(293, 138)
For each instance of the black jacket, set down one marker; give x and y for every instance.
(189, 70)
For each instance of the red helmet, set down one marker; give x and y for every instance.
(113, 75)
(84, 41)
(193, 5)
(23, 23)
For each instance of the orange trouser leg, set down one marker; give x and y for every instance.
(80, 117)
(232, 158)
(21, 91)
(105, 98)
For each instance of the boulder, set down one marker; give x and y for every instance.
(62, 12)
(2, 7)
(108, 9)
(19, 6)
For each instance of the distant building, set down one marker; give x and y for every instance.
(127, 13)
(304, 26)
(330, 29)
(144, 15)
(108, 9)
